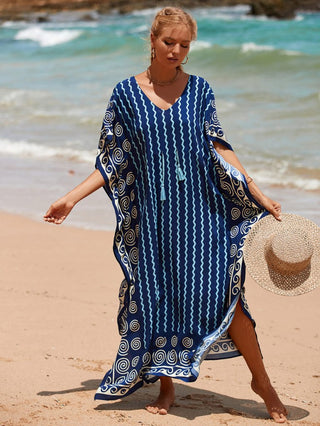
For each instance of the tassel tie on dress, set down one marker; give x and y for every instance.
(180, 175)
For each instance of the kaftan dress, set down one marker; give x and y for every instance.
(182, 216)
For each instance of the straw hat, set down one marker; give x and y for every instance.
(284, 257)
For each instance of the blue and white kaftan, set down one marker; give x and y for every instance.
(182, 216)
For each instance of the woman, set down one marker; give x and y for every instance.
(184, 205)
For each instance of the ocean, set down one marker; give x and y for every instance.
(56, 79)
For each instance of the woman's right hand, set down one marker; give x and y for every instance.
(58, 211)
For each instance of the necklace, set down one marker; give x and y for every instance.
(162, 83)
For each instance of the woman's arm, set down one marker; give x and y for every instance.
(272, 206)
(60, 209)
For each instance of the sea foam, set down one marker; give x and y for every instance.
(200, 45)
(287, 180)
(253, 47)
(33, 150)
(47, 38)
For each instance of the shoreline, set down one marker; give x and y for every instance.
(59, 336)
(50, 179)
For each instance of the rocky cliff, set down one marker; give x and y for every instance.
(41, 9)
(282, 9)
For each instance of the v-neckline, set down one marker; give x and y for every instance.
(155, 105)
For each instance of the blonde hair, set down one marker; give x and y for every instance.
(170, 16)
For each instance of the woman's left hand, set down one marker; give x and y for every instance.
(272, 206)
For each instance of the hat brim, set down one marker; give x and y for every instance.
(256, 263)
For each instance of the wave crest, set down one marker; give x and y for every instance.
(47, 38)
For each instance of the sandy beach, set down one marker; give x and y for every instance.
(59, 336)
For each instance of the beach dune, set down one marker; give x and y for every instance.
(59, 336)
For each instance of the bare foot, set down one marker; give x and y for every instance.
(274, 406)
(165, 399)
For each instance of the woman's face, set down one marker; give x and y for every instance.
(172, 45)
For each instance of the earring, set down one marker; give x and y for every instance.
(153, 53)
(186, 61)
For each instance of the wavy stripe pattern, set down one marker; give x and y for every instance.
(182, 217)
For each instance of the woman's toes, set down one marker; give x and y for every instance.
(152, 409)
(279, 418)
